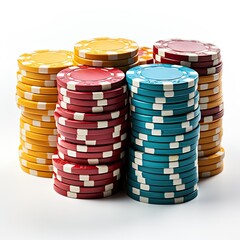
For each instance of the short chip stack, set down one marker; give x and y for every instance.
(106, 52)
(165, 115)
(145, 55)
(204, 58)
(36, 96)
(91, 118)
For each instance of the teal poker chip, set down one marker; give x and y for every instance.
(155, 164)
(162, 201)
(171, 119)
(163, 132)
(167, 126)
(157, 145)
(167, 94)
(163, 106)
(162, 77)
(160, 158)
(166, 139)
(164, 113)
(166, 151)
(161, 195)
(183, 98)
(164, 183)
(151, 188)
(163, 170)
(162, 177)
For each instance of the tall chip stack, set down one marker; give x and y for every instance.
(204, 58)
(106, 52)
(36, 96)
(91, 117)
(165, 114)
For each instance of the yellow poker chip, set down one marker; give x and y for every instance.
(210, 126)
(37, 142)
(210, 139)
(216, 103)
(40, 130)
(45, 155)
(209, 152)
(145, 55)
(37, 136)
(45, 61)
(33, 159)
(37, 148)
(211, 98)
(207, 86)
(37, 90)
(36, 166)
(36, 111)
(204, 134)
(36, 82)
(106, 49)
(211, 167)
(101, 63)
(49, 119)
(203, 147)
(37, 123)
(34, 104)
(36, 172)
(38, 76)
(210, 78)
(210, 92)
(211, 173)
(36, 97)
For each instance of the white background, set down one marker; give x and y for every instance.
(29, 208)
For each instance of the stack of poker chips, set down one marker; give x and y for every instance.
(204, 58)
(36, 96)
(106, 52)
(91, 118)
(145, 55)
(165, 115)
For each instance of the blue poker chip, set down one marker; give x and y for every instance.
(162, 77)
(154, 188)
(171, 119)
(160, 132)
(157, 145)
(166, 139)
(163, 182)
(164, 113)
(161, 195)
(162, 177)
(161, 201)
(168, 94)
(163, 106)
(155, 164)
(163, 170)
(160, 158)
(166, 151)
(162, 100)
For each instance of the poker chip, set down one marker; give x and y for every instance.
(211, 172)
(36, 117)
(208, 152)
(210, 92)
(206, 127)
(205, 86)
(36, 173)
(37, 123)
(107, 49)
(35, 111)
(215, 158)
(213, 104)
(210, 98)
(212, 132)
(212, 118)
(38, 76)
(210, 78)
(38, 143)
(41, 154)
(36, 166)
(145, 55)
(212, 110)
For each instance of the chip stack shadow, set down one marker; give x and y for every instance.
(165, 115)
(36, 96)
(205, 58)
(92, 123)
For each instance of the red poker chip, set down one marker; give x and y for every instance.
(77, 189)
(85, 78)
(96, 142)
(89, 124)
(91, 149)
(91, 183)
(212, 111)
(92, 95)
(186, 50)
(83, 195)
(108, 108)
(209, 71)
(68, 167)
(92, 161)
(87, 177)
(79, 116)
(93, 103)
(212, 63)
(92, 132)
(211, 118)
(106, 154)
